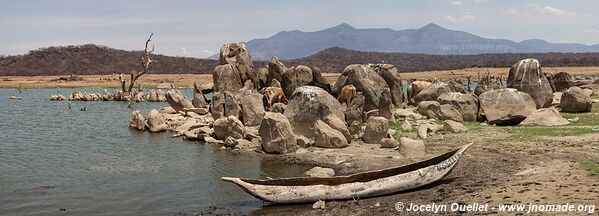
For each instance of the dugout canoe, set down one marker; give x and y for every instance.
(356, 186)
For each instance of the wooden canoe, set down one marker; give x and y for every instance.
(360, 185)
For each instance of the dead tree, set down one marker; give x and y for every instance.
(146, 61)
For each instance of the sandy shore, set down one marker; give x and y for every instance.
(187, 80)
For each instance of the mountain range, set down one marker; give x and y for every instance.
(429, 39)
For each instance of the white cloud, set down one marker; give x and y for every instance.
(456, 3)
(465, 17)
(554, 11)
(480, 1)
(198, 53)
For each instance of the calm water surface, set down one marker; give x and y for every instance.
(90, 162)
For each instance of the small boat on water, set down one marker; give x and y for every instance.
(356, 186)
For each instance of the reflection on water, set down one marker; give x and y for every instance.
(90, 162)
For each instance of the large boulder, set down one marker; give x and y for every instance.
(545, 117)
(276, 69)
(276, 134)
(327, 137)
(575, 99)
(466, 105)
(487, 83)
(224, 104)
(411, 148)
(416, 87)
(448, 112)
(295, 77)
(561, 81)
(226, 78)
(376, 129)
(228, 127)
(355, 110)
(430, 109)
(178, 101)
(252, 108)
(156, 122)
(199, 100)
(137, 121)
(528, 77)
(391, 76)
(238, 56)
(309, 104)
(437, 89)
(506, 106)
(386, 107)
(366, 80)
(454, 127)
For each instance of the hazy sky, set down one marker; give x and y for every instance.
(198, 28)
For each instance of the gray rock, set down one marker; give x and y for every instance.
(177, 101)
(561, 81)
(411, 148)
(447, 111)
(506, 106)
(276, 69)
(327, 137)
(528, 77)
(319, 172)
(137, 121)
(376, 129)
(228, 127)
(391, 76)
(295, 77)
(226, 78)
(386, 107)
(199, 100)
(156, 122)
(430, 109)
(406, 113)
(366, 80)
(355, 109)
(575, 99)
(309, 104)
(303, 141)
(279, 107)
(545, 117)
(389, 143)
(437, 89)
(230, 142)
(252, 108)
(466, 105)
(454, 127)
(277, 134)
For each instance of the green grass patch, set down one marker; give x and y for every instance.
(584, 119)
(534, 133)
(592, 168)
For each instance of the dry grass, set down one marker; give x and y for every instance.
(187, 80)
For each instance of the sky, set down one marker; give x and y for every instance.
(199, 28)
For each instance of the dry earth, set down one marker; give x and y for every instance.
(187, 80)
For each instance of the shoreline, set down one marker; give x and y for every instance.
(187, 80)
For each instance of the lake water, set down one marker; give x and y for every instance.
(90, 162)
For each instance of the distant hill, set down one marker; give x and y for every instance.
(430, 39)
(94, 59)
(336, 59)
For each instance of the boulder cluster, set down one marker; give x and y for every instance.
(150, 96)
(279, 109)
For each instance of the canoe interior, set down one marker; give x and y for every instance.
(359, 177)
